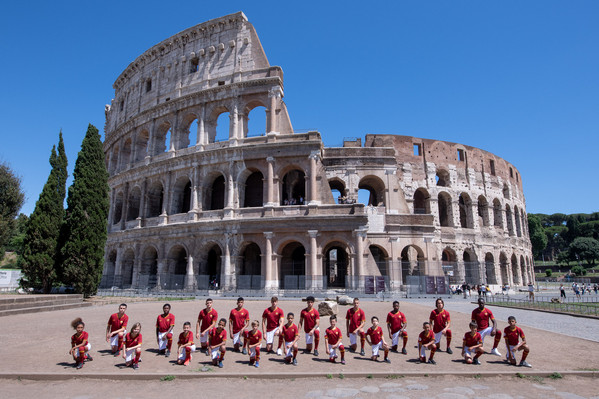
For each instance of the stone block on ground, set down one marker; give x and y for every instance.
(327, 308)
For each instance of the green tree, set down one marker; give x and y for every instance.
(83, 234)
(586, 248)
(16, 241)
(538, 238)
(11, 201)
(38, 260)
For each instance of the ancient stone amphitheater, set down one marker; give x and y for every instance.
(193, 208)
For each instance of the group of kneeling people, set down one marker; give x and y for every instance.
(212, 334)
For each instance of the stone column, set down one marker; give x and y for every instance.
(315, 274)
(161, 272)
(136, 267)
(233, 126)
(388, 208)
(194, 209)
(151, 139)
(360, 236)
(314, 156)
(225, 277)
(270, 182)
(269, 282)
(189, 276)
(124, 210)
(274, 95)
(167, 194)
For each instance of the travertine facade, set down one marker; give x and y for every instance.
(280, 210)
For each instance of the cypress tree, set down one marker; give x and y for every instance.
(83, 234)
(41, 237)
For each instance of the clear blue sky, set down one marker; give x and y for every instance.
(517, 78)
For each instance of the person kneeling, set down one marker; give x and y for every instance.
(472, 345)
(185, 345)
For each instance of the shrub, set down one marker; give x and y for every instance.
(548, 272)
(579, 270)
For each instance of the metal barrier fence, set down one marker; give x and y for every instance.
(589, 308)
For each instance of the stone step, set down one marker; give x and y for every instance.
(18, 299)
(38, 303)
(45, 308)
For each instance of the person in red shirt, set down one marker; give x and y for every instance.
(132, 347)
(513, 334)
(354, 323)
(185, 345)
(239, 320)
(376, 339)
(116, 329)
(217, 338)
(310, 319)
(396, 325)
(253, 340)
(441, 321)
(472, 344)
(426, 341)
(333, 337)
(206, 322)
(165, 323)
(482, 316)
(80, 345)
(272, 323)
(290, 334)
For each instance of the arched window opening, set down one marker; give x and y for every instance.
(223, 123)
(497, 219)
(518, 221)
(506, 191)
(465, 205)
(141, 145)
(251, 261)
(133, 204)
(471, 268)
(422, 204)
(168, 140)
(336, 265)
(127, 268)
(192, 136)
(114, 159)
(293, 266)
(445, 211)
(177, 260)
(483, 211)
(366, 197)
(510, 220)
(118, 208)
(338, 190)
(490, 268)
(380, 258)
(155, 198)
(126, 154)
(504, 266)
(376, 190)
(442, 178)
(149, 268)
(162, 139)
(110, 266)
(213, 265)
(255, 122)
(182, 196)
(294, 188)
(254, 188)
(216, 196)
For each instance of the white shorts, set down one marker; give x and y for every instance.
(114, 340)
(237, 338)
(204, 338)
(353, 339)
(469, 353)
(423, 350)
(215, 352)
(288, 349)
(513, 350)
(485, 332)
(376, 348)
(87, 348)
(182, 355)
(395, 338)
(438, 337)
(333, 351)
(130, 355)
(162, 340)
(310, 338)
(270, 335)
(253, 352)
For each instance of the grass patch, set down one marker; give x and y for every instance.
(587, 369)
(341, 376)
(520, 375)
(329, 376)
(168, 378)
(478, 376)
(555, 376)
(369, 376)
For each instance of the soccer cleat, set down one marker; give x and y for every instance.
(244, 351)
(207, 352)
(315, 352)
(432, 361)
(525, 364)
(167, 353)
(220, 364)
(295, 362)
(362, 353)
(78, 365)
(449, 350)
(89, 358)
(343, 361)
(279, 352)
(135, 366)
(495, 352)
(257, 364)
(422, 360)
(117, 353)
(476, 361)
(404, 351)
(387, 360)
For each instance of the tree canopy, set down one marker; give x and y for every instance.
(11, 201)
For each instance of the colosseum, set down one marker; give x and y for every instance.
(199, 201)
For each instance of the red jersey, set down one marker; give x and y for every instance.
(117, 323)
(375, 334)
(425, 338)
(440, 319)
(163, 324)
(310, 318)
(186, 337)
(513, 336)
(130, 341)
(206, 318)
(482, 318)
(355, 317)
(273, 317)
(470, 340)
(289, 333)
(80, 339)
(253, 337)
(333, 335)
(217, 338)
(237, 318)
(396, 320)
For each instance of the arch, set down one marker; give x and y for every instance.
(471, 267)
(177, 260)
(293, 263)
(133, 203)
(336, 264)
(376, 189)
(162, 140)
(490, 268)
(380, 258)
(422, 201)
(411, 258)
(114, 158)
(110, 267)
(126, 154)
(155, 198)
(503, 266)
(219, 115)
(117, 214)
(250, 263)
(465, 205)
(214, 263)
(509, 219)
(518, 221)
(515, 271)
(338, 185)
(293, 190)
(449, 264)
(442, 178)
(506, 191)
(254, 119)
(127, 267)
(149, 266)
(254, 190)
(141, 145)
(215, 198)
(483, 211)
(181, 202)
(189, 130)
(523, 272)
(497, 218)
(445, 211)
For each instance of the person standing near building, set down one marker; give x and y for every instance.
(531, 292)
(441, 321)
(354, 323)
(116, 329)
(396, 326)
(206, 322)
(310, 319)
